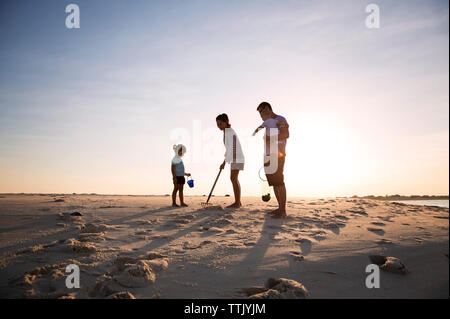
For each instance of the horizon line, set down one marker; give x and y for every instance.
(225, 195)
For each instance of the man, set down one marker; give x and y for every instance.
(275, 156)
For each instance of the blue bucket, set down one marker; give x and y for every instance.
(190, 182)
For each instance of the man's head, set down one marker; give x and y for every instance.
(264, 106)
(265, 114)
(265, 110)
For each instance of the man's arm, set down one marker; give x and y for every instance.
(284, 132)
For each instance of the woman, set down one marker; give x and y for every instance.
(233, 155)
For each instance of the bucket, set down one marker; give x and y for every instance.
(190, 182)
(265, 188)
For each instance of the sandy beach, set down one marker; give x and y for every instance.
(139, 246)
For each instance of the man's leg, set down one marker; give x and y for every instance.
(279, 189)
(280, 194)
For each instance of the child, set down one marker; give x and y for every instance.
(178, 175)
(233, 155)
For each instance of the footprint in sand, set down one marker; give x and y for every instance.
(87, 237)
(142, 232)
(250, 243)
(386, 218)
(305, 245)
(281, 288)
(297, 256)
(357, 212)
(97, 228)
(378, 224)
(46, 281)
(331, 225)
(389, 264)
(384, 242)
(182, 221)
(79, 247)
(138, 272)
(104, 286)
(136, 276)
(377, 231)
(190, 246)
(122, 295)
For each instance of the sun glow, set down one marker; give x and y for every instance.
(326, 156)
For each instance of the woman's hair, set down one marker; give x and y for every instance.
(224, 118)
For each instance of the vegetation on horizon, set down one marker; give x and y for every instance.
(402, 197)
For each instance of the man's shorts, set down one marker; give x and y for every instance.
(181, 180)
(276, 178)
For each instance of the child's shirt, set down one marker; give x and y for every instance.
(233, 149)
(179, 166)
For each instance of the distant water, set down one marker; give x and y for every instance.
(436, 202)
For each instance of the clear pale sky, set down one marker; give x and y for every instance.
(97, 109)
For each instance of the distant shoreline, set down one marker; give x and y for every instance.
(384, 198)
(400, 197)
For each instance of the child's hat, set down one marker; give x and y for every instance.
(176, 148)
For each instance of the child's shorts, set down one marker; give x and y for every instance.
(237, 166)
(181, 180)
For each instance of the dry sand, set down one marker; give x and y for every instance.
(138, 246)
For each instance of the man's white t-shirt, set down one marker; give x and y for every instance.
(271, 130)
(271, 127)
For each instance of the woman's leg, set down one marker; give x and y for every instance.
(180, 189)
(234, 177)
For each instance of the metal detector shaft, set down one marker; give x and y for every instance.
(212, 189)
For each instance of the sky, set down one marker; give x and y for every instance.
(98, 109)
